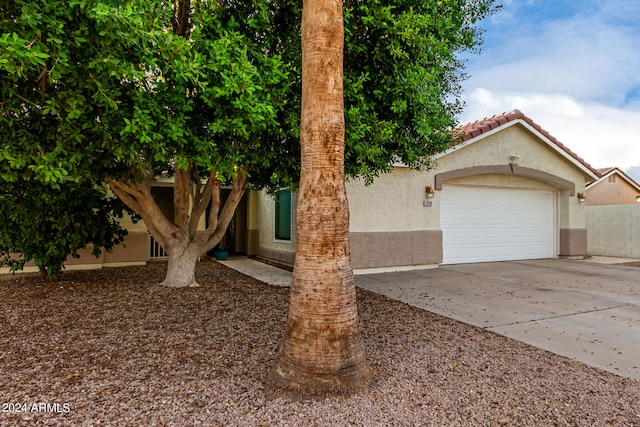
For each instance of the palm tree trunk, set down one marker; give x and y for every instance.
(323, 350)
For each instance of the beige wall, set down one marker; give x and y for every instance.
(497, 148)
(134, 250)
(261, 228)
(614, 230)
(512, 140)
(391, 213)
(394, 202)
(387, 249)
(606, 192)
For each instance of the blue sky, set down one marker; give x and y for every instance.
(572, 66)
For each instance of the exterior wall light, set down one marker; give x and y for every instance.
(638, 199)
(581, 198)
(431, 192)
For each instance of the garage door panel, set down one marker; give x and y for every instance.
(489, 224)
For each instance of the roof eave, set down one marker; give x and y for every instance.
(620, 172)
(499, 123)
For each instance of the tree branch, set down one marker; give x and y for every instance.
(196, 194)
(214, 234)
(202, 197)
(138, 197)
(181, 197)
(126, 193)
(214, 210)
(181, 17)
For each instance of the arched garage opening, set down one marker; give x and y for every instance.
(484, 223)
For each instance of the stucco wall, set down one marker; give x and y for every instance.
(513, 140)
(134, 250)
(618, 192)
(394, 212)
(614, 230)
(261, 233)
(385, 231)
(394, 202)
(516, 140)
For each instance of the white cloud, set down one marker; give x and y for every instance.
(634, 173)
(581, 58)
(572, 68)
(602, 135)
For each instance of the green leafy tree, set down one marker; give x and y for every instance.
(125, 92)
(209, 92)
(403, 71)
(47, 225)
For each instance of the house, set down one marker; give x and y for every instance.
(508, 191)
(139, 247)
(613, 188)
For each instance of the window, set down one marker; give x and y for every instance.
(283, 215)
(611, 178)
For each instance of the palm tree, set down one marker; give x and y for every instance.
(323, 350)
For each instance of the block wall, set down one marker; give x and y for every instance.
(613, 230)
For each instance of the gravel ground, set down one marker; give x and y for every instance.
(109, 348)
(631, 264)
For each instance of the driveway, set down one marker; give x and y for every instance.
(583, 310)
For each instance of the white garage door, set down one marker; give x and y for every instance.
(491, 224)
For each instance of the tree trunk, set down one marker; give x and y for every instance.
(181, 267)
(323, 350)
(179, 238)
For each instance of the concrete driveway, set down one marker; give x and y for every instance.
(583, 310)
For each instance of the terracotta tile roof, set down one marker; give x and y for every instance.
(472, 130)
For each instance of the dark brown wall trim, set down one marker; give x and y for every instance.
(381, 249)
(134, 249)
(511, 169)
(573, 242)
(396, 248)
(284, 257)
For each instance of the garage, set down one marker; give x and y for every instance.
(506, 189)
(481, 224)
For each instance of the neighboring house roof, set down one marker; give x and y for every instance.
(607, 172)
(604, 170)
(480, 129)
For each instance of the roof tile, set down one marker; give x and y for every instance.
(477, 128)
